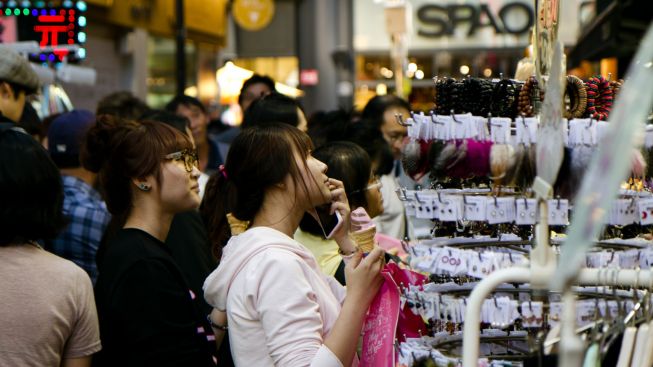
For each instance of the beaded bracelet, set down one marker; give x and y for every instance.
(599, 98)
(577, 94)
(477, 96)
(443, 97)
(529, 96)
(503, 98)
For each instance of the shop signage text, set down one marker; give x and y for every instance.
(436, 21)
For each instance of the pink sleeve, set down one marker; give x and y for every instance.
(289, 314)
(338, 290)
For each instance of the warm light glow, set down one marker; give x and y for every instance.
(487, 72)
(464, 70)
(191, 91)
(230, 80)
(412, 67)
(381, 89)
(386, 73)
(419, 74)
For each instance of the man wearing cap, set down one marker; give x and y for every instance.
(17, 81)
(83, 207)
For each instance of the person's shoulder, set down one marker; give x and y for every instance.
(54, 264)
(130, 243)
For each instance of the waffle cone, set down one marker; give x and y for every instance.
(365, 238)
(236, 225)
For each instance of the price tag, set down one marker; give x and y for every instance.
(474, 208)
(532, 314)
(645, 207)
(449, 208)
(555, 312)
(526, 130)
(411, 209)
(500, 210)
(558, 212)
(526, 211)
(499, 130)
(452, 261)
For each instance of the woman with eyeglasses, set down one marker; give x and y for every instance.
(148, 315)
(350, 164)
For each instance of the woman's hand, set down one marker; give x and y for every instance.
(363, 276)
(340, 204)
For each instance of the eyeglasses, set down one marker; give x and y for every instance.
(188, 156)
(376, 184)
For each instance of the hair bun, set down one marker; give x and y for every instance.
(101, 139)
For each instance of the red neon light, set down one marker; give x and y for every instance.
(52, 18)
(47, 30)
(61, 53)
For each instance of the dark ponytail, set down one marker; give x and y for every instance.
(258, 158)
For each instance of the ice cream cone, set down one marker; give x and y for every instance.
(237, 226)
(365, 238)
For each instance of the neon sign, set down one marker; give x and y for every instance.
(59, 30)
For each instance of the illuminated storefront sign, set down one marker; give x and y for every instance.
(59, 30)
(459, 24)
(442, 20)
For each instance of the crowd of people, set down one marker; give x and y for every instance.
(131, 236)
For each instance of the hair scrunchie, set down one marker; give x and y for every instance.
(577, 93)
(599, 98)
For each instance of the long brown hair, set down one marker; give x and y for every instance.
(258, 158)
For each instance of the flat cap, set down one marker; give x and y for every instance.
(16, 69)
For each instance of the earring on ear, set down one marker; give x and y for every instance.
(144, 187)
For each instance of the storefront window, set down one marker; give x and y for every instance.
(161, 81)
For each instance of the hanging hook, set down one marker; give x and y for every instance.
(453, 116)
(418, 199)
(558, 206)
(434, 115)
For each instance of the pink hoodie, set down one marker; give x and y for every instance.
(279, 304)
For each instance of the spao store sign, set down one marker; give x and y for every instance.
(466, 24)
(435, 21)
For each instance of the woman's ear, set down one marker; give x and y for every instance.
(6, 91)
